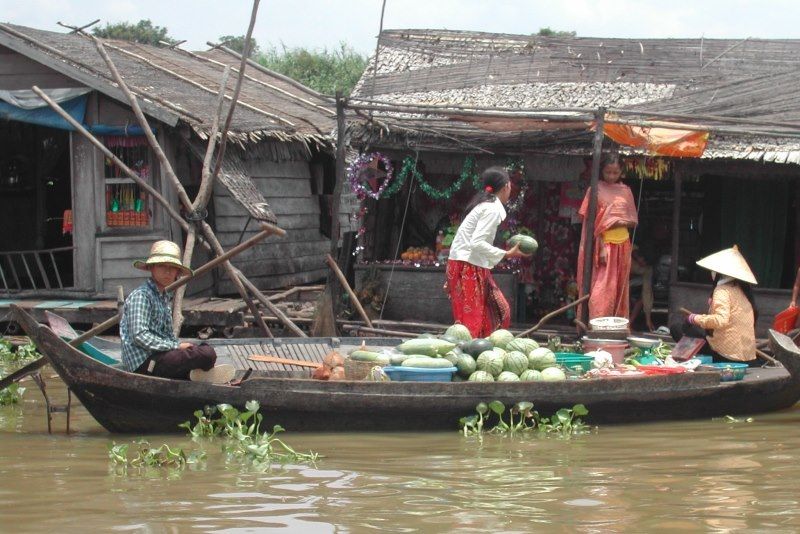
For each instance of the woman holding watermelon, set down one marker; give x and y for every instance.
(611, 261)
(476, 300)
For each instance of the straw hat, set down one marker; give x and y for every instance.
(729, 262)
(163, 252)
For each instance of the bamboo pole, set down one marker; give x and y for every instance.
(234, 275)
(588, 222)
(343, 280)
(553, 314)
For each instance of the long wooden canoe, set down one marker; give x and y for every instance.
(127, 402)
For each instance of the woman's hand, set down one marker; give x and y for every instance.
(515, 252)
(602, 254)
(185, 345)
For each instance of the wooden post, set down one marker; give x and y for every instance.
(340, 161)
(588, 222)
(340, 275)
(676, 227)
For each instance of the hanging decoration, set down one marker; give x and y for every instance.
(646, 167)
(366, 177)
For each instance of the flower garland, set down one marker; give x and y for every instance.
(363, 162)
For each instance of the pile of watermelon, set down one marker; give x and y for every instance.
(498, 358)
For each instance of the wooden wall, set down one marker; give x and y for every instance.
(294, 259)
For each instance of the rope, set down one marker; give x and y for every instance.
(400, 234)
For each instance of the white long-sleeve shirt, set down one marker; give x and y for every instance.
(475, 236)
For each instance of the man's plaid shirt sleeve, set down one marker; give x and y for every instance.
(141, 331)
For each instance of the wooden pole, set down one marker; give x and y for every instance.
(340, 275)
(553, 314)
(676, 227)
(588, 222)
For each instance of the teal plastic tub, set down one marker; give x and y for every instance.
(573, 360)
(419, 374)
(730, 372)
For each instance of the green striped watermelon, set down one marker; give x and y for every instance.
(515, 362)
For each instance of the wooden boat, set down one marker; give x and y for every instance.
(127, 402)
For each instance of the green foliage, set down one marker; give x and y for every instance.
(323, 70)
(11, 395)
(147, 456)
(236, 42)
(10, 360)
(523, 418)
(244, 438)
(142, 32)
(547, 32)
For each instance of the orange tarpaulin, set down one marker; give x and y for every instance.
(661, 141)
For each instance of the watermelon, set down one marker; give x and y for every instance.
(531, 375)
(507, 376)
(522, 344)
(481, 376)
(500, 338)
(541, 358)
(527, 244)
(477, 346)
(466, 365)
(458, 332)
(515, 362)
(491, 362)
(453, 355)
(553, 374)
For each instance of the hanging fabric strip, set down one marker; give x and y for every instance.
(673, 142)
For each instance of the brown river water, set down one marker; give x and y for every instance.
(699, 476)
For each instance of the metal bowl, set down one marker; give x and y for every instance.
(643, 342)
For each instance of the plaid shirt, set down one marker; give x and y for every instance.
(146, 325)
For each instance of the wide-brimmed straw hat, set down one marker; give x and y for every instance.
(163, 252)
(729, 262)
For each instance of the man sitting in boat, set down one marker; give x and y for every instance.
(730, 322)
(149, 345)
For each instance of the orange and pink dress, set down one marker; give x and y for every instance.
(610, 287)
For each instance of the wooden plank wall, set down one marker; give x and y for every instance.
(274, 263)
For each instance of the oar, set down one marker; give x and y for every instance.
(286, 361)
(551, 315)
(108, 323)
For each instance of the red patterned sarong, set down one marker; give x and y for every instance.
(477, 302)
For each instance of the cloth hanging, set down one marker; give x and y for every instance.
(661, 141)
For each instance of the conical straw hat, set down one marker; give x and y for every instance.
(729, 262)
(163, 252)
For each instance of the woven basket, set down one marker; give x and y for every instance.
(355, 370)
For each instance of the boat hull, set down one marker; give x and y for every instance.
(130, 403)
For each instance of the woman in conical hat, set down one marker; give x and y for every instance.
(730, 321)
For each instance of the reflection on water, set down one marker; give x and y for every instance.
(694, 477)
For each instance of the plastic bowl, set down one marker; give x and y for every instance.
(615, 347)
(729, 372)
(609, 323)
(572, 360)
(704, 359)
(419, 374)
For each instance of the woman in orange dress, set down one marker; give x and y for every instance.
(611, 258)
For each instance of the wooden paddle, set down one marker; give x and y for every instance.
(268, 358)
(108, 323)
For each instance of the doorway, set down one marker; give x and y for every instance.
(35, 208)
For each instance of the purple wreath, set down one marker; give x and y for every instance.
(362, 162)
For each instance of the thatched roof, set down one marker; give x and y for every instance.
(566, 77)
(180, 86)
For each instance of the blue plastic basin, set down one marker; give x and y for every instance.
(419, 374)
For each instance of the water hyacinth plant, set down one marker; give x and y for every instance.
(523, 418)
(147, 456)
(244, 438)
(10, 360)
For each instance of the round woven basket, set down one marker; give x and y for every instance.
(355, 370)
